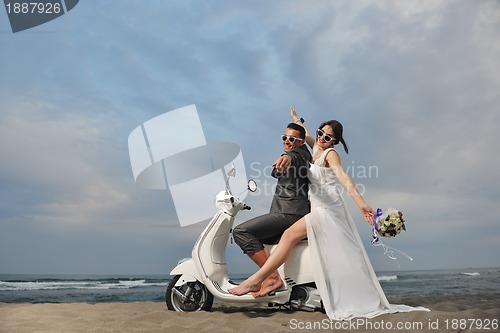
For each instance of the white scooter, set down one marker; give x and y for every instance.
(198, 279)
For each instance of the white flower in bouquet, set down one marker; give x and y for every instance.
(390, 223)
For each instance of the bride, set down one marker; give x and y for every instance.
(345, 278)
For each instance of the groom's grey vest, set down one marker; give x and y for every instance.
(290, 196)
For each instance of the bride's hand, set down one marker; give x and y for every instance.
(368, 213)
(293, 114)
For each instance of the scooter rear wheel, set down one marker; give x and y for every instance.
(189, 297)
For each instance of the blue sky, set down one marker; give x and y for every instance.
(415, 84)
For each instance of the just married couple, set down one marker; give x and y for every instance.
(308, 204)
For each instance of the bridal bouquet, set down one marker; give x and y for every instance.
(390, 223)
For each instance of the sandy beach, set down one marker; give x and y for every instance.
(478, 313)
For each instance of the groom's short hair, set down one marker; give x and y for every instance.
(299, 128)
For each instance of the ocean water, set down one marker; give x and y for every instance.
(97, 289)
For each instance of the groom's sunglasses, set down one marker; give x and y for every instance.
(290, 138)
(326, 136)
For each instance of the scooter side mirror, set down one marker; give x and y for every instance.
(232, 171)
(252, 185)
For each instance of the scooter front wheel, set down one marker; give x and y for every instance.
(189, 297)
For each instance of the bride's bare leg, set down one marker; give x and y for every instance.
(258, 283)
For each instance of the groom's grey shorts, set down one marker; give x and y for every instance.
(265, 229)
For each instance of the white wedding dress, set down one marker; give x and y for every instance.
(343, 273)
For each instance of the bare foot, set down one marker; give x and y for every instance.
(244, 288)
(272, 283)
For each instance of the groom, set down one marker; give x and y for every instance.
(289, 204)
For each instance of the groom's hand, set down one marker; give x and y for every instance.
(283, 163)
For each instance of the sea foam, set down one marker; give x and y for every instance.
(387, 277)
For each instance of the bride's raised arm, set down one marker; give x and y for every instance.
(310, 140)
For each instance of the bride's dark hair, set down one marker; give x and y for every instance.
(338, 130)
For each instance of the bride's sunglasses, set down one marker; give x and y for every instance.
(326, 136)
(290, 138)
